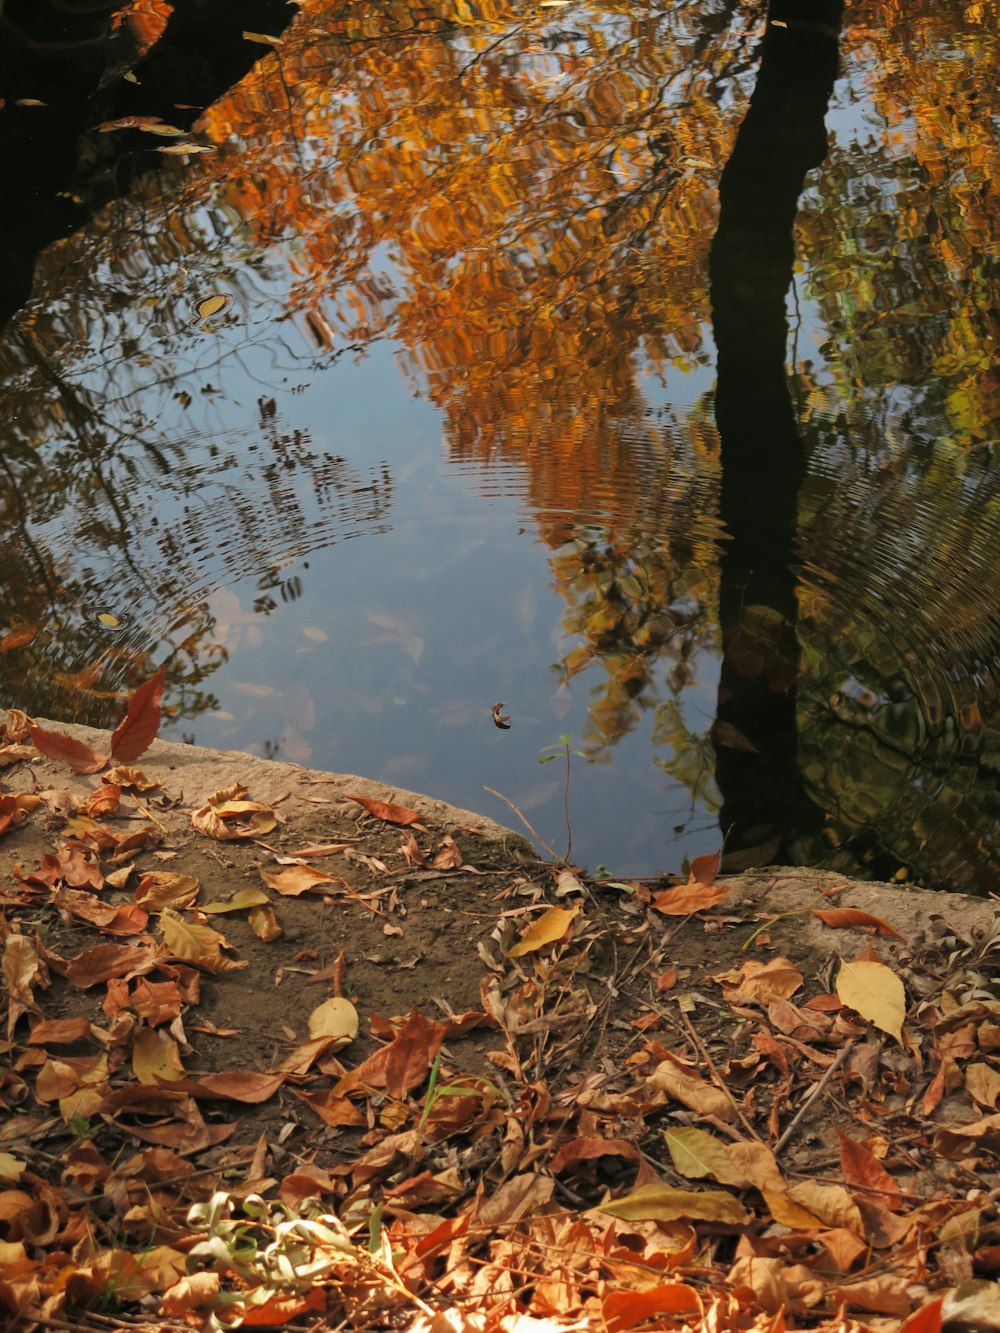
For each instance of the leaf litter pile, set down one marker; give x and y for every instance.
(313, 1059)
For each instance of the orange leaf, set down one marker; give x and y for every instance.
(688, 898)
(703, 869)
(57, 745)
(297, 879)
(851, 916)
(925, 1320)
(137, 730)
(392, 814)
(861, 1167)
(627, 1309)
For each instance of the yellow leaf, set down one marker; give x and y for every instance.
(663, 1203)
(696, 1154)
(10, 1167)
(551, 925)
(262, 37)
(876, 993)
(336, 1018)
(156, 1058)
(239, 902)
(200, 945)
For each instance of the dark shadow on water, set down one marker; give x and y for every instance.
(765, 807)
(62, 73)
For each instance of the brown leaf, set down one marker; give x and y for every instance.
(402, 1064)
(124, 775)
(109, 960)
(66, 750)
(137, 730)
(685, 1086)
(59, 1031)
(165, 888)
(391, 814)
(847, 917)
(296, 880)
(664, 1203)
(861, 1167)
(581, 1150)
(265, 924)
(239, 1085)
(703, 869)
(688, 898)
(763, 982)
(251, 819)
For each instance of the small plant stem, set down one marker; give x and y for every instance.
(569, 826)
(540, 841)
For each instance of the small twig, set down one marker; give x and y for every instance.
(790, 1129)
(689, 1028)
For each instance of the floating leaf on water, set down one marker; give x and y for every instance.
(108, 619)
(212, 305)
(182, 149)
(262, 37)
(500, 718)
(29, 101)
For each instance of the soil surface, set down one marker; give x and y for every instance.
(412, 910)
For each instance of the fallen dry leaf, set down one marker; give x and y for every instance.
(391, 814)
(67, 750)
(875, 992)
(200, 945)
(664, 1203)
(138, 728)
(552, 925)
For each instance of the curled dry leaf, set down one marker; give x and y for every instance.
(104, 801)
(500, 718)
(158, 889)
(123, 775)
(250, 819)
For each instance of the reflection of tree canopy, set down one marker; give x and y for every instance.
(524, 197)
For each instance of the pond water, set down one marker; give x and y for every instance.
(425, 377)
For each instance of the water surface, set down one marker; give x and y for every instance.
(452, 436)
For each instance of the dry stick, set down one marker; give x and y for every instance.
(817, 1090)
(717, 1077)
